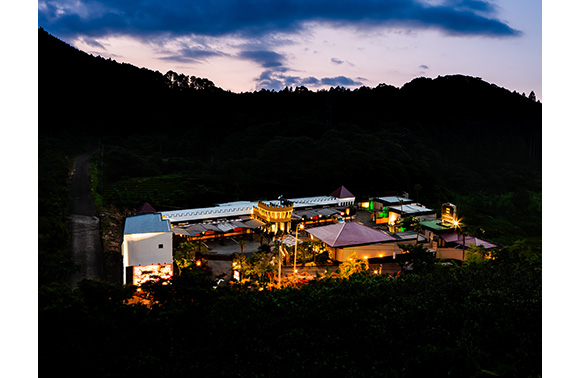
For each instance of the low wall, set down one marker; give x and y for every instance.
(449, 253)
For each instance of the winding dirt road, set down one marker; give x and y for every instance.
(85, 237)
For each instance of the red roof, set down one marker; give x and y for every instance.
(342, 192)
(349, 234)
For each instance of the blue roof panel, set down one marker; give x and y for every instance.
(145, 223)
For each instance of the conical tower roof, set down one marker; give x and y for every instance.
(146, 208)
(342, 192)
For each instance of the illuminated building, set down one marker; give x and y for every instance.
(147, 248)
(447, 238)
(241, 217)
(277, 214)
(419, 211)
(448, 213)
(148, 238)
(384, 203)
(344, 239)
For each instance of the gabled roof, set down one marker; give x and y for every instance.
(349, 234)
(342, 192)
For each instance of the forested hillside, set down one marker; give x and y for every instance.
(179, 141)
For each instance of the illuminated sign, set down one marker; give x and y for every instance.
(448, 213)
(144, 273)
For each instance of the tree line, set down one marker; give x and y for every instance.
(178, 141)
(480, 319)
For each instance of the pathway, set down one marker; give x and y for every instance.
(85, 236)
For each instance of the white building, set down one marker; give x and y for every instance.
(147, 248)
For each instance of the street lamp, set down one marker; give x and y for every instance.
(298, 226)
(457, 224)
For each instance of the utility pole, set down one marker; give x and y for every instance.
(280, 266)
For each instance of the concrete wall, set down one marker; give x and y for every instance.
(449, 253)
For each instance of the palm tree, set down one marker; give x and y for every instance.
(417, 227)
(353, 265)
(242, 244)
(268, 231)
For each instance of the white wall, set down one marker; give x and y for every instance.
(143, 249)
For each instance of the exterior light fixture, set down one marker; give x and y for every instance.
(457, 225)
(298, 226)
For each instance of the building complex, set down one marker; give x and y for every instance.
(372, 232)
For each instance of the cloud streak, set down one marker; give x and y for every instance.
(192, 55)
(147, 18)
(267, 59)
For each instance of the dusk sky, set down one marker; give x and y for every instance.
(246, 45)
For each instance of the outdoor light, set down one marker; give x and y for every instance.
(298, 226)
(457, 224)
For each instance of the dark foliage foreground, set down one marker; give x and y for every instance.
(479, 320)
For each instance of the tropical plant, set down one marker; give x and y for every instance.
(259, 267)
(517, 253)
(353, 265)
(416, 256)
(241, 264)
(184, 255)
(476, 254)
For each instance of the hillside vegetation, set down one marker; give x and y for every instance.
(178, 141)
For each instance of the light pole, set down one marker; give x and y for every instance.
(280, 266)
(301, 227)
(457, 224)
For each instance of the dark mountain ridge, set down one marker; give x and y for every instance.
(85, 84)
(177, 141)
